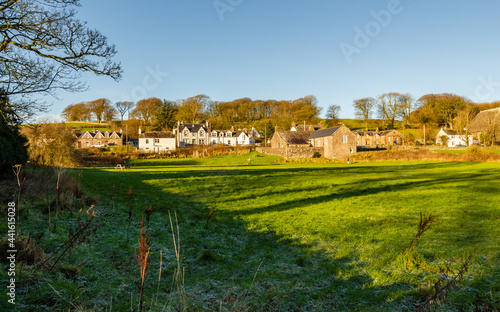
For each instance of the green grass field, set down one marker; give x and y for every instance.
(285, 236)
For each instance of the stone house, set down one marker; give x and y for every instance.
(378, 138)
(338, 142)
(157, 142)
(284, 139)
(334, 143)
(97, 138)
(192, 134)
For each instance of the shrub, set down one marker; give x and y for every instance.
(316, 155)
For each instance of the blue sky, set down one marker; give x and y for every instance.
(286, 49)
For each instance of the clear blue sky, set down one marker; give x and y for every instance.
(286, 49)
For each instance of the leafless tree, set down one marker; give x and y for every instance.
(124, 107)
(389, 107)
(363, 109)
(44, 48)
(99, 108)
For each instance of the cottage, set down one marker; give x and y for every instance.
(97, 138)
(378, 138)
(157, 142)
(284, 139)
(233, 138)
(338, 142)
(453, 138)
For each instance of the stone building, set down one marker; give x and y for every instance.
(378, 138)
(97, 138)
(337, 143)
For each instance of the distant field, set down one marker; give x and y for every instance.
(291, 237)
(463, 151)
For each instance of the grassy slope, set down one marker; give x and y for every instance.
(316, 236)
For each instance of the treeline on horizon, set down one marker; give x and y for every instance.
(156, 114)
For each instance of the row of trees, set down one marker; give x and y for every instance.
(388, 106)
(445, 109)
(163, 114)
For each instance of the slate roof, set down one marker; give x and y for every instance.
(294, 137)
(450, 132)
(94, 133)
(193, 127)
(158, 135)
(323, 133)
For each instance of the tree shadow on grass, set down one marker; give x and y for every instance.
(222, 257)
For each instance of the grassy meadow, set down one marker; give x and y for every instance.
(282, 237)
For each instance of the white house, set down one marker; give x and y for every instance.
(230, 137)
(454, 138)
(157, 142)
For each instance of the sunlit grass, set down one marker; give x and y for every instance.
(314, 236)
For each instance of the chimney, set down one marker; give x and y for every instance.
(140, 131)
(121, 130)
(276, 128)
(232, 128)
(294, 124)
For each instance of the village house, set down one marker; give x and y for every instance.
(487, 124)
(334, 143)
(233, 138)
(453, 138)
(192, 134)
(157, 142)
(378, 138)
(284, 139)
(337, 142)
(97, 138)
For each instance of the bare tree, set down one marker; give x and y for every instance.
(332, 113)
(406, 107)
(99, 107)
(363, 109)
(43, 48)
(389, 107)
(463, 120)
(124, 107)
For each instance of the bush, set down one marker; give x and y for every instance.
(316, 155)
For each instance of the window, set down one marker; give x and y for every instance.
(147, 141)
(202, 133)
(186, 133)
(157, 141)
(202, 141)
(344, 139)
(87, 143)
